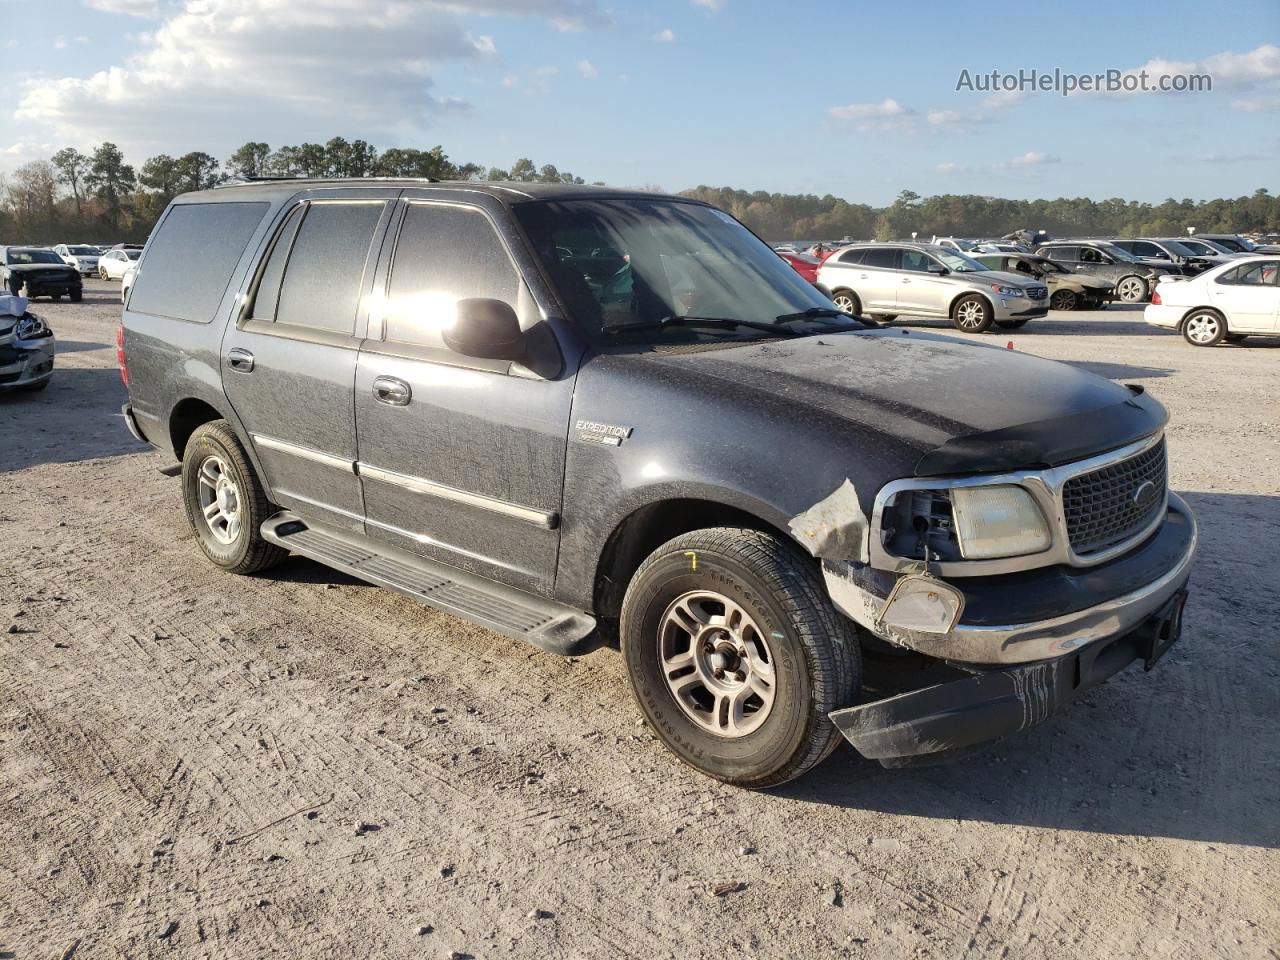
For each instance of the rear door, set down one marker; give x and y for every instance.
(877, 282)
(289, 362)
(462, 459)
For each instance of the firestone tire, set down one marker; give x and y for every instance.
(225, 501)
(691, 602)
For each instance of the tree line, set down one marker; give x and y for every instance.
(98, 197)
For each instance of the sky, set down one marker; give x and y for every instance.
(855, 99)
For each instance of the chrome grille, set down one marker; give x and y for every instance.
(1105, 507)
(1037, 293)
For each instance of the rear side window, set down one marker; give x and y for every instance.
(322, 278)
(191, 257)
(881, 257)
(444, 254)
(1063, 253)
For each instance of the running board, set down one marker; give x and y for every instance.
(514, 613)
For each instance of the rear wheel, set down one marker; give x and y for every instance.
(972, 314)
(736, 656)
(847, 301)
(225, 501)
(1204, 328)
(1132, 290)
(102, 273)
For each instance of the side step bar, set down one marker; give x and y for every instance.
(514, 613)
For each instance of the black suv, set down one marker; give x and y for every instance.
(589, 417)
(1131, 279)
(38, 272)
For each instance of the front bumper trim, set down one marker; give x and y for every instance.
(1025, 642)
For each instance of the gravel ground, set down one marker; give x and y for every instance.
(298, 765)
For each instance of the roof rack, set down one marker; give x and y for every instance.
(240, 181)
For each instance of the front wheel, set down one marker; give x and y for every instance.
(102, 273)
(736, 656)
(1204, 328)
(1064, 300)
(225, 501)
(972, 314)
(1132, 290)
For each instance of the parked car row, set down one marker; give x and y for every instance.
(55, 272)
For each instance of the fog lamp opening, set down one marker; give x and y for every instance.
(922, 605)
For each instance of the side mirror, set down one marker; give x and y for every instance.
(938, 269)
(487, 329)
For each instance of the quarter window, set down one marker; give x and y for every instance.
(325, 268)
(444, 254)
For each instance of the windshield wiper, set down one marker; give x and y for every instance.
(720, 323)
(817, 313)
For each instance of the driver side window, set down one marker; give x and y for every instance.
(1089, 255)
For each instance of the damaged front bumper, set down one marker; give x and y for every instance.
(26, 363)
(947, 719)
(1026, 657)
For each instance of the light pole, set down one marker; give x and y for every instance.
(1190, 231)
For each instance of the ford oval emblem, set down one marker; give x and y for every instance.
(1145, 495)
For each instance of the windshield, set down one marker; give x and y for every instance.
(624, 265)
(957, 262)
(83, 251)
(33, 256)
(1178, 247)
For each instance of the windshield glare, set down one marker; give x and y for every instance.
(957, 262)
(82, 251)
(623, 263)
(33, 256)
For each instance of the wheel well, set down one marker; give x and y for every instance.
(187, 415)
(651, 526)
(1214, 310)
(951, 309)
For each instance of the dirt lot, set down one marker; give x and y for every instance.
(298, 765)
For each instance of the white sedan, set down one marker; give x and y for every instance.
(113, 263)
(1230, 302)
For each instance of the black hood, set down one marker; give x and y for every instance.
(965, 408)
(40, 268)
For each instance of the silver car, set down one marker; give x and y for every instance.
(26, 347)
(884, 280)
(79, 255)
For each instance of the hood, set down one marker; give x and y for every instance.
(964, 408)
(1005, 277)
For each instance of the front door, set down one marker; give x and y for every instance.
(921, 291)
(461, 460)
(1248, 296)
(289, 362)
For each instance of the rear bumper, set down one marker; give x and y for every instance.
(1163, 315)
(131, 422)
(939, 722)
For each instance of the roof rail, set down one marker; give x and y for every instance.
(240, 181)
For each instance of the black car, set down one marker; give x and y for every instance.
(1130, 278)
(38, 272)
(588, 417)
(1169, 252)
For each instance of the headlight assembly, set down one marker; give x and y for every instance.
(998, 521)
(31, 327)
(1008, 291)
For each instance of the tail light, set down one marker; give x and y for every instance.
(1155, 297)
(124, 369)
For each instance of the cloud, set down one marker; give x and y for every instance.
(217, 72)
(1252, 70)
(132, 8)
(60, 43)
(1256, 105)
(588, 69)
(715, 6)
(665, 36)
(1033, 158)
(884, 110)
(947, 169)
(958, 119)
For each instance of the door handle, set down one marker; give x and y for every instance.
(906, 279)
(391, 391)
(240, 360)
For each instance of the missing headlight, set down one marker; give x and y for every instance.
(919, 525)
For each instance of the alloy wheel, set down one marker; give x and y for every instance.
(717, 664)
(970, 315)
(1202, 328)
(220, 500)
(1131, 290)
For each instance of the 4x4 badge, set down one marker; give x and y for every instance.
(609, 434)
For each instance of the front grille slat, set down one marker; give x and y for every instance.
(1100, 506)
